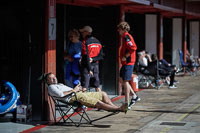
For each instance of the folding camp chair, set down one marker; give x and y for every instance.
(150, 76)
(182, 62)
(191, 68)
(65, 108)
(77, 108)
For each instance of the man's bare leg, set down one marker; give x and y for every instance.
(106, 99)
(109, 107)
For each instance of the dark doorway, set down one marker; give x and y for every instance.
(137, 24)
(21, 49)
(103, 21)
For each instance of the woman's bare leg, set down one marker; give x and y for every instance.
(127, 91)
(131, 91)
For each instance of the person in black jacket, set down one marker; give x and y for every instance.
(165, 69)
(91, 53)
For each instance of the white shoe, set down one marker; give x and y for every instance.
(172, 87)
(133, 101)
(131, 104)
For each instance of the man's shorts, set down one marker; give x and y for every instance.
(85, 77)
(126, 72)
(88, 99)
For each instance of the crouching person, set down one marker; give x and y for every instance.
(99, 100)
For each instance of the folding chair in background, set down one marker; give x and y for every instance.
(182, 62)
(191, 68)
(150, 76)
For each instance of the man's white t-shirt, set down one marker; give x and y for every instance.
(56, 90)
(143, 62)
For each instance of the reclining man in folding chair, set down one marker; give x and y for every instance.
(99, 100)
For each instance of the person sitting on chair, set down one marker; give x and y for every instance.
(99, 100)
(166, 69)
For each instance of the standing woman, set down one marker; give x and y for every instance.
(128, 57)
(72, 55)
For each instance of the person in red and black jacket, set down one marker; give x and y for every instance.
(92, 53)
(128, 57)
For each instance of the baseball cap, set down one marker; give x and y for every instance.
(86, 28)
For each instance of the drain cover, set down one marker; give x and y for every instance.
(173, 123)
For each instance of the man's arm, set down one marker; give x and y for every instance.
(76, 89)
(130, 44)
(66, 93)
(127, 54)
(131, 47)
(77, 47)
(54, 91)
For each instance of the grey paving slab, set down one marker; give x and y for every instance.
(172, 106)
(10, 127)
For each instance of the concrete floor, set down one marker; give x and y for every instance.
(159, 111)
